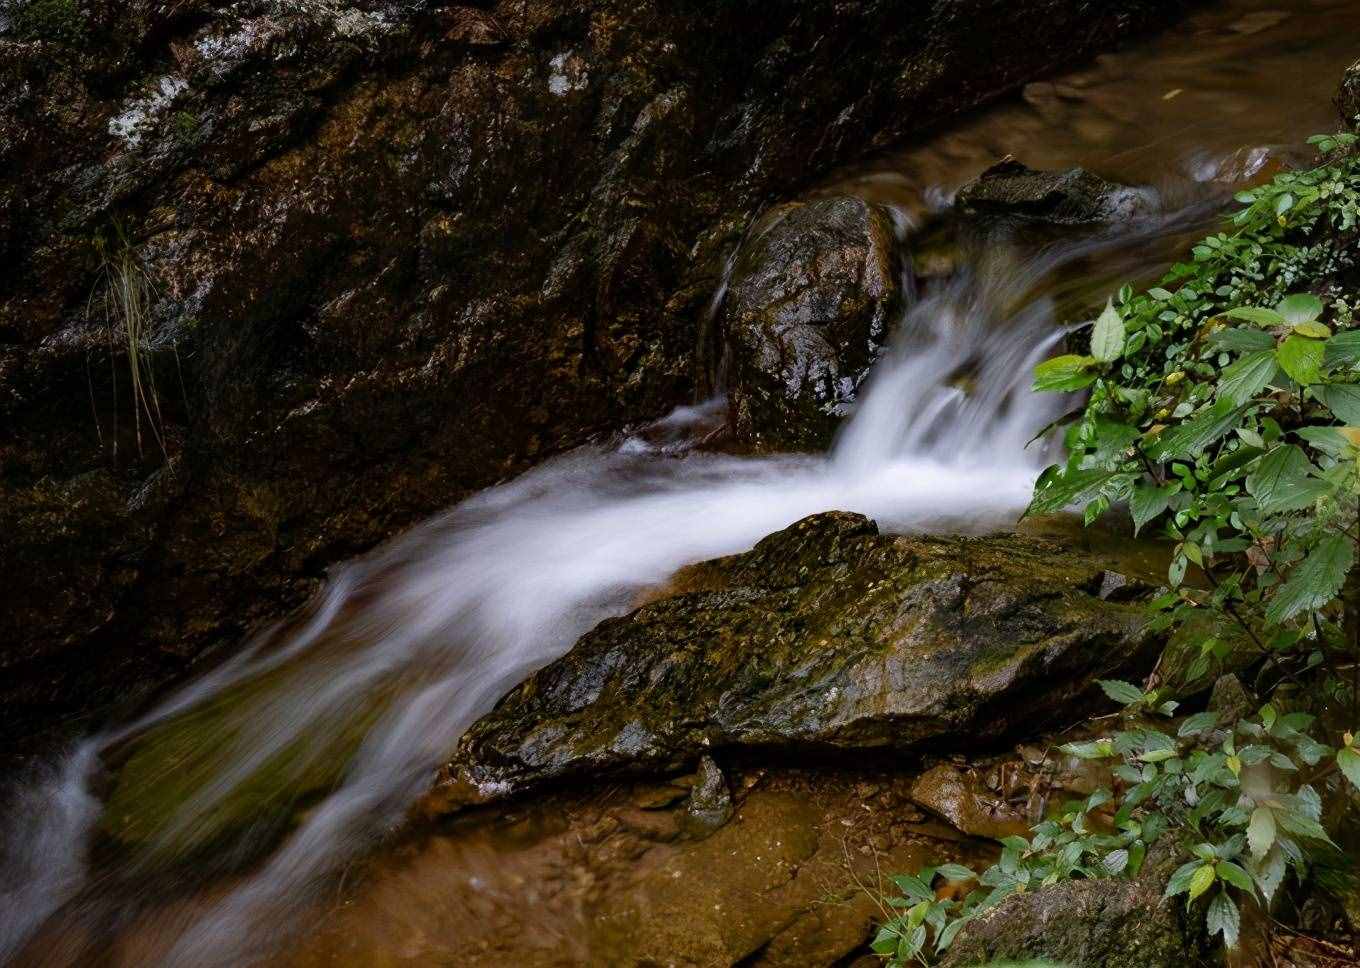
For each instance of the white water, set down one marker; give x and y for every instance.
(441, 622)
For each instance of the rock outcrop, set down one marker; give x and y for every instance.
(1075, 196)
(812, 296)
(826, 637)
(375, 254)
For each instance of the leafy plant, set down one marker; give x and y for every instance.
(1224, 412)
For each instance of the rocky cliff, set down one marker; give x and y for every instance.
(281, 277)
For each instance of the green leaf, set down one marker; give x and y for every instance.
(1343, 349)
(1115, 861)
(1269, 873)
(1056, 490)
(1064, 373)
(1223, 918)
(1120, 691)
(955, 873)
(1301, 358)
(1314, 330)
(1341, 399)
(1315, 582)
(1095, 750)
(1107, 336)
(1277, 476)
(1234, 875)
(1198, 723)
(1201, 880)
(1148, 502)
(1261, 831)
(1348, 760)
(1247, 377)
(1242, 340)
(1191, 437)
(1297, 309)
(1179, 882)
(1262, 317)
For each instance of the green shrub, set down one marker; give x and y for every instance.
(1223, 411)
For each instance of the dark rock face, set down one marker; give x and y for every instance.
(812, 296)
(1011, 190)
(1348, 98)
(1110, 922)
(825, 637)
(394, 251)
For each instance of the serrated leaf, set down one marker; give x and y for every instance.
(1147, 502)
(1234, 875)
(1247, 377)
(1056, 490)
(1261, 832)
(1275, 480)
(1301, 358)
(1223, 918)
(1341, 399)
(1191, 437)
(955, 873)
(1315, 582)
(1343, 349)
(1120, 691)
(1348, 760)
(1300, 308)
(1253, 314)
(1269, 873)
(1239, 339)
(1314, 330)
(1198, 723)
(1115, 861)
(1107, 336)
(1064, 373)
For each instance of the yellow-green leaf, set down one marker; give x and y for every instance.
(1202, 880)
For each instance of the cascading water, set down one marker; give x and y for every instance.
(347, 712)
(200, 834)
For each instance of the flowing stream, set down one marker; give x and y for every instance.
(217, 816)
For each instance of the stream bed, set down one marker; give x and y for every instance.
(262, 813)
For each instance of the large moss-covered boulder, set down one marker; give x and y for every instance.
(826, 637)
(812, 296)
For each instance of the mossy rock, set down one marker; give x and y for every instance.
(1103, 923)
(827, 637)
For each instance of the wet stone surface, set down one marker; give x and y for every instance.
(826, 637)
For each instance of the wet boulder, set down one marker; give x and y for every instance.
(812, 296)
(826, 637)
(1109, 922)
(1013, 191)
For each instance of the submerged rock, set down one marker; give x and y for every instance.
(1075, 196)
(826, 637)
(809, 305)
(710, 801)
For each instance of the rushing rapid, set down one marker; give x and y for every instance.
(201, 834)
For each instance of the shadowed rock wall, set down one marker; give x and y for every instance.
(387, 253)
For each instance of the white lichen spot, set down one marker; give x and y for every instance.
(139, 112)
(568, 74)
